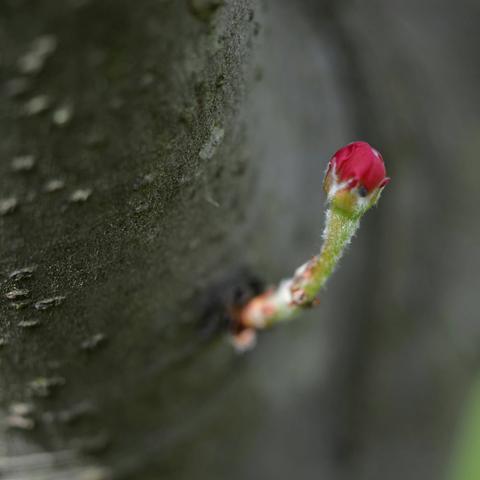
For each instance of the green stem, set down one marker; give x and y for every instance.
(300, 291)
(339, 230)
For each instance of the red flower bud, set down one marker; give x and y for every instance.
(359, 165)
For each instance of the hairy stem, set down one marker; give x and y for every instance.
(339, 230)
(300, 291)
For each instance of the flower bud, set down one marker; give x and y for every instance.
(355, 178)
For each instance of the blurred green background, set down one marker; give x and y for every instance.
(466, 458)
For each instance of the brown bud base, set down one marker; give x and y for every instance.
(223, 302)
